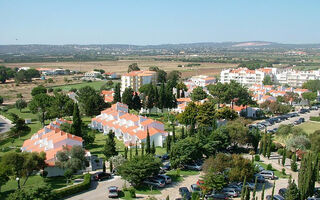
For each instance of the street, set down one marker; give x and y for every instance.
(5, 124)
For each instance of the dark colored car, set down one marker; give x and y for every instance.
(217, 196)
(275, 197)
(184, 192)
(101, 176)
(165, 157)
(301, 119)
(282, 192)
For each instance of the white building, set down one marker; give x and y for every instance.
(136, 79)
(246, 76)
(202, 80)
(92, 74)
(296, 78)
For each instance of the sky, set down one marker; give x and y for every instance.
(145, 22)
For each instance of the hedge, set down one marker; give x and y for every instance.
(317, 119)
(85, 185)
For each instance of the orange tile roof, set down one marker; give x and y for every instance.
(184, 99)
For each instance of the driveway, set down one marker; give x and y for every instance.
(5, 124)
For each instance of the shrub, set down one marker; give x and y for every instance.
(283, 171)
(50, 80)
(50, 90)
(269, 167)
(85, 185)
(58, 90)
(132, 192)
(280, 151)
(257, 158)
(317, 119)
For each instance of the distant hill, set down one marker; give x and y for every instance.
(33, 49)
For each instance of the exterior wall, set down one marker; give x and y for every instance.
(54, 171)
(157, 138)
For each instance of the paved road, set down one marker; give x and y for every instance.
(98, 190)
(5, 124)
(306, 116)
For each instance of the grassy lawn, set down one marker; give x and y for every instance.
(147, 190)
(310, 127)
(95, 84)
(276, 172)
(11, 144)
(54, 182)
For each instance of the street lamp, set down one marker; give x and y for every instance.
(18, 180)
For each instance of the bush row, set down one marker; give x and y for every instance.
(85, 185)
(317, 119)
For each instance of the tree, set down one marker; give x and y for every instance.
(198, 94)
(76, 122)
(218, 164)
(296, 142)
(3, 74)
(110, 146)
(214, 181)
(61, 106)
(137, 153)
(315, 141)
(136, 170)
(221, 138)
(309, 96)
(173, 78)
(117, 93)
(185, 151)
(41, 104)
(161, 76)
(284, 156)
(168, 143)
(127, 97)
(153, 148)
(294, 166)
(206, 115)
(133, 67)
(35, 192)
(148, 147)
(254, 138)
(21, 104)
(240, 168)
(188, 116)
(269, 147)
(313, 85)
(73, 159)
(182, 133)
(267, 80)
(1, 100)
(136, 102)
(226, 113)
(292, 192)
(239, 133)
(38, 90)
(20, 128)
(68, 174)
(4, 177)
(262, 193)
(117, 161)
(126, 152)
(90, 101)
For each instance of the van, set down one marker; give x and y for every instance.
(267, 174)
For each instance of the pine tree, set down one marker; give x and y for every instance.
(136, 102)
(117, 94)
(168, 144)
(76, 122)
(284, 156)
(262, 194)
(153, 148)
(110, 146)
(137, 149)
(173, 133)
(148, 148)
(182, 133)
(269, 146)
(142, 149)
(127, 97)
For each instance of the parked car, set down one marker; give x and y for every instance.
(267, 174)
(166, 167)
(282, 192)
(314, 108)
(259, 167)
(217, 196)
(165, 157)
(234, 186)
(301, 119)
(184, 192)
(275, 197)
(195, 188)
(155, 182)
(193, 166)
(249, 185)
(260, 178)
(101, 176)
(296, 122)
(303, 111)
(113, 192)
(230, 192)
(166, 178)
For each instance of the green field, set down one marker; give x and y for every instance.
(310, 127)
(95, 84)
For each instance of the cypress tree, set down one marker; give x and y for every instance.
(243, 188)
(274, 185)
(178, 93)
(156, 96)
(269, 146)
(294, 166)
(247, 196)
(262, 194)
(76, 121)
(173, 133)
(182, 133)
(137, 149)
(142, 149)
(104, 166)
(153, 148)
(261, 145)
(182, 94)
(110, 146)
(191, 131)
(168, 143)
(284, 155)
(255, 188)
(148, 148)
(117, 94)
(136, 102)
(111, 166)
(130, 153)
(126, 152)
(264, 150)
(162, 97)
(127, 97)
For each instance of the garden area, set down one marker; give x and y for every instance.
(94, 84)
